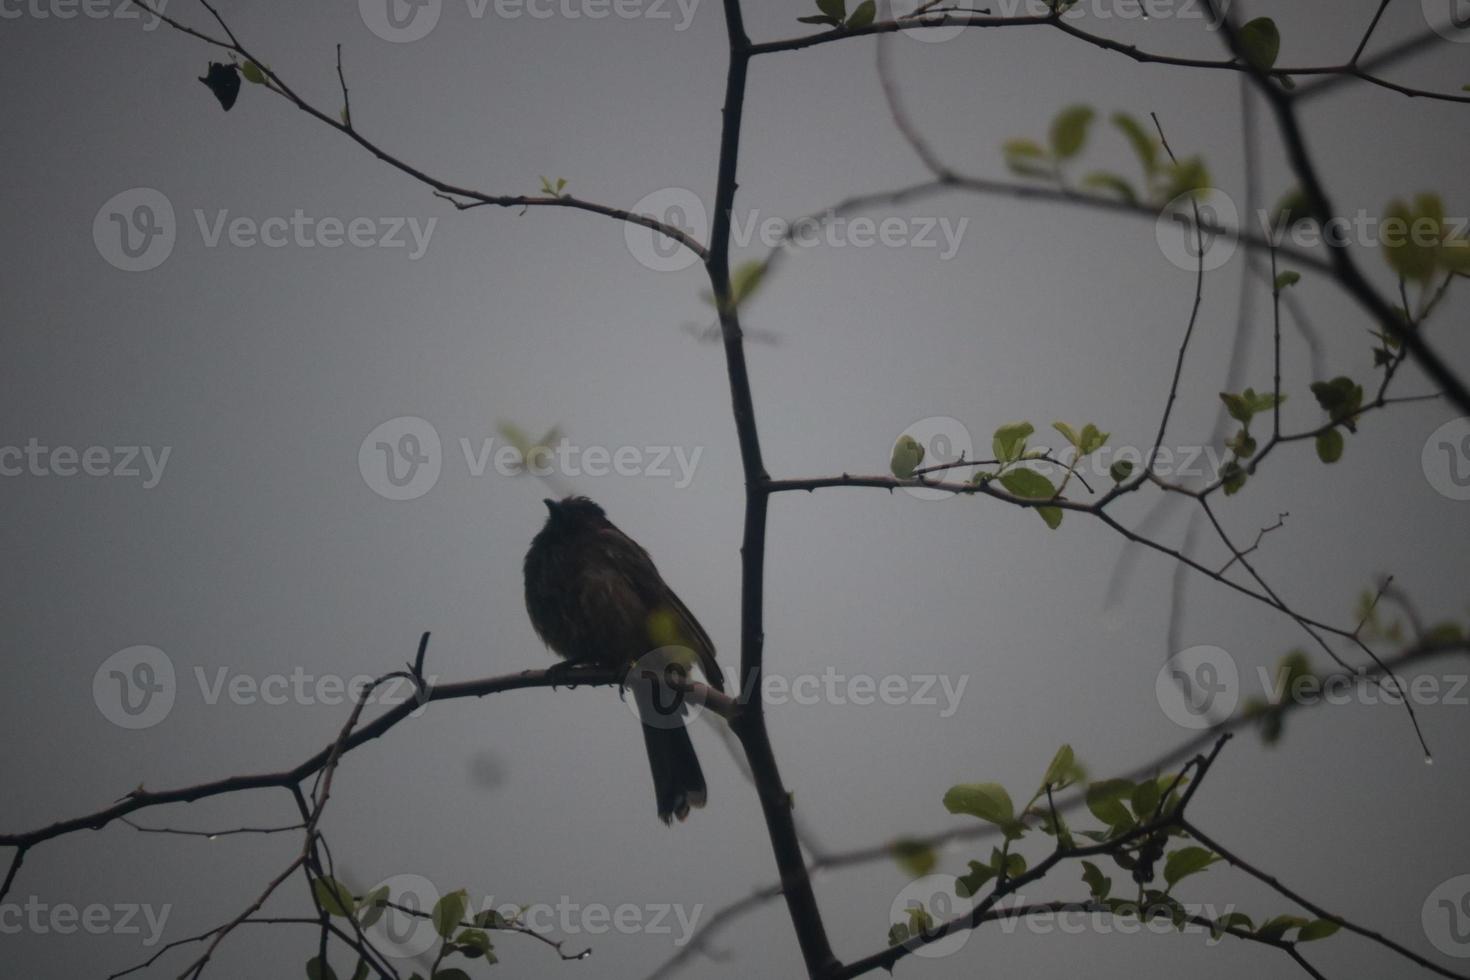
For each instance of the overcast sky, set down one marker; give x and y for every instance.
(282, 303)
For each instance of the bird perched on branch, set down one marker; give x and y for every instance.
(595, 598)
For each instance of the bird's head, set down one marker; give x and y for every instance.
(573, 513)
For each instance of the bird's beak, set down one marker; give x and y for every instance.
(551, 505)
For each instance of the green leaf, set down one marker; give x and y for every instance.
(1260, 43)
(1288, 278)
(1104, 181)
(1028, 484)
(492, 919)
(745, 280)
(1093, 439)
(908, 453)
(371, 907)
(1240, 408)
(1232, 920)
(1063, 770)
(1144, 145)
(516, 436)
(1232, 478)
(988, 801)
(1105, 800)
(1341, 398)
(916, 858)
(1069, 131)
(449, 911)
(1120, 470)
(1291, 208)
(920, 922)
(252, 73)
(1146, 800)
(333, 896)
(1316, 929)
(863, 15)
(473, 943)
(1021, 146)
(1033, 486)
(1446, 632)
(836, 9)
(1454, 255)
(1068, 433)
(1329, 445)
(1188, 176)
(1403, 247)
(362, 972)
(1277, 928)
(969, 885)
(1430, 207)
(1027, 158)
(316, 970)
(1243, 445)
(1186, 861)
(1098, 884)
(819, 19)
(1009, 441)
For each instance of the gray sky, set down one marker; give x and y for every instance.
(265, 545)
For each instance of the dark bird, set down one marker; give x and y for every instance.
(224, 81)
(595, 598)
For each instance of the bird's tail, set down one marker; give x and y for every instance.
(678, 781)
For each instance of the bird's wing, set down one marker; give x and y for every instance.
(703, 645)
(657, 597)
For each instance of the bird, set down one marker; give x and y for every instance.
(595, 598)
